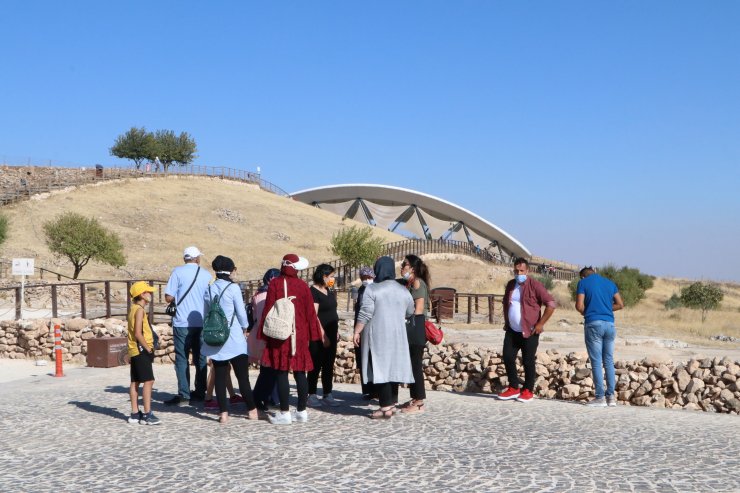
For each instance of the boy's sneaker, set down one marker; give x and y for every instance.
(300, 416)
(329, 400)
(280, 418)
(211, 404)
(149, 419)
(508, 394)
(136, 417)
(525, 396)
(611, 401)
(313, 401)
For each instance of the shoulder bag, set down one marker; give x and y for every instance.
(171, 309)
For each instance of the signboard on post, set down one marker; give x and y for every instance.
(22, 266)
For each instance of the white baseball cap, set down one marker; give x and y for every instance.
(191, 252)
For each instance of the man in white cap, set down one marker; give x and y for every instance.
(186, 287)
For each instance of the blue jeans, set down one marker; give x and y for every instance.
(188, 340)
(600, 336)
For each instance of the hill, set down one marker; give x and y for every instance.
(157, 218)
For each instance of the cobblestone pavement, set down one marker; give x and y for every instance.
(70, 434)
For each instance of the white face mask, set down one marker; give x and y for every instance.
(367, 282)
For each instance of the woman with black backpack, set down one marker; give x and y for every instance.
(233, 350)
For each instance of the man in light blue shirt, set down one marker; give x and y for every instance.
(186, 287)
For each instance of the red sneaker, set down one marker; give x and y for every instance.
(525, 396)
(236, 399)
(211, 404)
(508, 394)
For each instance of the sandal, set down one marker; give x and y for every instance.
(405, 404)
(382, 413)
(253, 414)
(414, 408)
(223, 419)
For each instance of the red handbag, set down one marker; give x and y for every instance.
(434, 334)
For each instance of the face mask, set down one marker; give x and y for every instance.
(521, 278)
(367, 282)
(407, 275)
(330, 283)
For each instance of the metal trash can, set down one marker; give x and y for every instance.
(107, 352)
(98, 171)
(443, 302)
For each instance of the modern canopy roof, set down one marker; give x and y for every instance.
(412, 213)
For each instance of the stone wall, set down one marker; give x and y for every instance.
(708, 384)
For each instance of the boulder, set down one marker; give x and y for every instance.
(570, 391)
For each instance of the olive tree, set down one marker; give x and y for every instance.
(137, 145)
(356, 246)
(82, 239)
(171, 148)
(701, 296)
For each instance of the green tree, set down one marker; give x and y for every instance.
(171, 148)
(4, 223)
(701, 296)
(546, 281)
(356, 246)
(82, 239)
(631, 282)
(137, 144)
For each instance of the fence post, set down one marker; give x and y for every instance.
(490, 309)
(107, 299)
(128, 297)
(18, 303)
(151, 307)
(83, 302)
(54, 305)
(470, 302)
(58, 357)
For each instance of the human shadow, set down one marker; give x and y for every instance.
(94, 408)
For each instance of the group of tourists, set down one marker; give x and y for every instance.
(389, 336)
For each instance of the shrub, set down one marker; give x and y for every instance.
(82, 239)
(701, 296)
(356, 246)
(3, 228)
(673, 302)
(631, 282)
(546, 281)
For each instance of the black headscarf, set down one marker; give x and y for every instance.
(223, 267)
(385, 268)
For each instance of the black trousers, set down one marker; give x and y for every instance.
(513, 343)
(323, 362)
(284, 389)
(241, 370)
(416, 389)
(387, 393)
(264, 385)
(367, 388)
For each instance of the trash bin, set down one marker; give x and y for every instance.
(98, 171)
(107, 352)
(443, 302)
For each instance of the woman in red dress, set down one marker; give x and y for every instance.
(277, 353)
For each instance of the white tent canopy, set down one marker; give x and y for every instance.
(413, 214)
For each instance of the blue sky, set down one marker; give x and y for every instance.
(593, 132)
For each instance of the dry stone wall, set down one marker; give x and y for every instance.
(709, 384)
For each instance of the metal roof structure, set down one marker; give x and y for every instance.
(413, 214)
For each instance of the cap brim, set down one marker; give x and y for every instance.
(301, 264)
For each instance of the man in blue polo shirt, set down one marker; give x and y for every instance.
(597, 299)
(187, 286)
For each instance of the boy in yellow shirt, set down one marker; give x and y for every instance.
(141, 352)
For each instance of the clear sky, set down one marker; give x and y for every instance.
(593, 132)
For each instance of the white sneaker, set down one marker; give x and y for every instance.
(329, 400)
(300, 416)
(597, 402)
(280, 418)
(313, 401)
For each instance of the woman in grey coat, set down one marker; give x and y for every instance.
(381, 327)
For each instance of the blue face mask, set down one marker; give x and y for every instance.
(521, 278)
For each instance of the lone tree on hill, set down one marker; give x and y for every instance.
(701, 296)
(137, 145)
(356, 246)
(82, 239)
(171, 148)
(3, 228)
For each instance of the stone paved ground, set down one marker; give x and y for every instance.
(69, 434)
